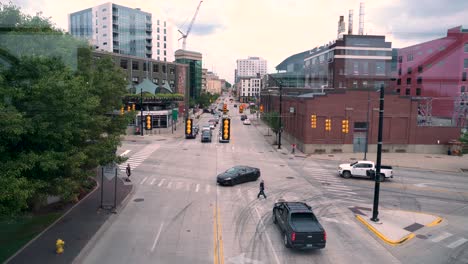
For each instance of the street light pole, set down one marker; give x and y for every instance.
(375, 211)
(280, 113)
(141, 112)
(367, 126)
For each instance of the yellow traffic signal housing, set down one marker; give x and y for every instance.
(128, 108)
(241, 109)
(261, 108)
(188, 126)
(313, 121)
(148, 122)
(345, 126)
(121, 110)
(133, 107)
(327, 124)
(226, 128)
(225, 108)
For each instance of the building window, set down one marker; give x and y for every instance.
(164, 45)
(409, 57)
(355, 84)
(157, 30)
(398, 82)
(104, 26)
(171, 83)
(158, 22)
(465, 63)
(400, 59)
(164, 23)
(171, 70)
(399, 71)
(398, 91)
(418, 91)
(165, 53)
(407, 92)
(158, 38)
(164, 31)
(155, 67)
(158, 45)
(104, 43)
(135, 80)
(430, 51)
(104, 18)
(410, 70)
(420, 69)
(163, 81)
(466, 47)
(135, 65)
(164, 58)
(124, 64)
(463, 89)
(380, 68)
(419, 80)
(155, 80)
(364, 84)
(164, 68)
(408, 80)
(164, 38)
(464, 77)
(144, 66)
(355, 68)
(104, 9)
(158, 52)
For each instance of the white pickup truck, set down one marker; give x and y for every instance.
(364, 169)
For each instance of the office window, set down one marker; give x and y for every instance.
(409, 57)
(171, 70)
(464, 77)
(410, 70)
(104, 18)
(164, 68)
(399, 71)
(380, 68)
(135, 79)
(144, 66)
(155, 67)
(465, 63)
(158, 45)
(124, 64)
(463, 89)
(419, 80)
(407, 92)
(418, 91)
(355, 68)
(408, 80)
(398, 91)
(420, 68)
(399, 82)
(155, 80)
(134, 65)
(466, 47)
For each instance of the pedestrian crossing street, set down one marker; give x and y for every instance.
(333, 185)
(448, 240)
(138, 158)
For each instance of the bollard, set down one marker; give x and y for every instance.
(59, 246)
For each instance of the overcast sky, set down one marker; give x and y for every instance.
(226, 30)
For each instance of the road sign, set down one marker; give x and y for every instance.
(109, 171)
(175, 113)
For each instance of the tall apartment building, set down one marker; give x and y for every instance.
(437, 70)
(123, 30)
(249, 88)
(250, 67)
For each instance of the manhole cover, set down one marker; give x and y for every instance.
(429, 157)
(421, 236)
(464, 170)
(161, 139)
(289, 177)
(284, 153)
(184, 149)
(352, 158)
(331, 155)
(271, 150)
(260, 152)
(281, 165)
(139, 200)
(325, 183)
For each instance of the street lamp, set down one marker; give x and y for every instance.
(280, 108)
(375, 211)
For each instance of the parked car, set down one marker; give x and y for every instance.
(206, 128)
(243, 117)
(364, 169)
(234, 105)
(238, 174)
(206, 136)
(299, 225)
(247, 122)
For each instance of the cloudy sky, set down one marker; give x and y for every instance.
(226, 30)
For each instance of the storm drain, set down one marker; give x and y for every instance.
(421, 236)
(139, 200)
(184, 149)
(289, 177)
(413, 227)
(161, 139)
(282, 165)
(325, 183)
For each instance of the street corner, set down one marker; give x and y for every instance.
(395, 227)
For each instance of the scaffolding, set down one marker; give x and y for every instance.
(460, 110)
(424, 110)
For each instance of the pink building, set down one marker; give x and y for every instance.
(437, 69)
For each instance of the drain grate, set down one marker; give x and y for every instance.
(331, 155)
(139, 200)
(282, 165)
(289, 177)
(421, 236)
(325, 183)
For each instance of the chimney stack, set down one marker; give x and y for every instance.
(341, 27)
(350, 22)
(361, 18)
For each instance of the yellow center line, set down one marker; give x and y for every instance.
(218, 257)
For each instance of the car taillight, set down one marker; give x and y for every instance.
(325, 235)
(293, 236)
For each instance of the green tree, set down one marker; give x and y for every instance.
(464, 138)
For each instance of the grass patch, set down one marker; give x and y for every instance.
(15, 233)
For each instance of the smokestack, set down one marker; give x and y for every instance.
(361, 18)
(350, 22)
(341, 27)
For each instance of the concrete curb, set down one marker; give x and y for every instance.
(55, 222)
(93, 241)
(435, 222)
(381, 236)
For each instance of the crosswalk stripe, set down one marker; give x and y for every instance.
(355, 200)
(178, 185)
(152, 182)
(197, 188)
(161, 182)
(143, 181)
(169, 185)
(457, 243)
(441, 237)
(125, 153)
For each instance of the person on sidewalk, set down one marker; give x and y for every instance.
(129, 172)
(293, 148)
(262, 189)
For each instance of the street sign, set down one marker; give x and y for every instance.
(109, 171)
(175, 113)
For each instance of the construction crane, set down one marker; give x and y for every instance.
(184, 36)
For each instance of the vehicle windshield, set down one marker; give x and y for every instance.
(121, 115)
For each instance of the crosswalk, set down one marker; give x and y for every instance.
(449, 240)
(136, 159)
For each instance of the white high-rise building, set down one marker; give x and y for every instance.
(249, 88)
(119, 29)
(251, 67)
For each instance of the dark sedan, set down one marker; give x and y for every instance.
(238, 174)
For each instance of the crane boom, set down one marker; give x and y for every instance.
(184, 36)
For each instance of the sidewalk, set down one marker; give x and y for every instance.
(76, 227)
(394, 226)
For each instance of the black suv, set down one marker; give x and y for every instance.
(299, 226)
(243, 117)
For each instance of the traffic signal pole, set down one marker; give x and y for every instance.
(375, 211)
(141, 111)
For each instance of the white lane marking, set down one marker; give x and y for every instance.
(337, 187)
(354, 200)
(125, 153)
(152, 182)
(157, 237)
(441, 237)
(197, 188)
(169, 185)
(207, 189)
(267, 236)
(143, 181)
(457, 243)
(161, 182)
(340, 192)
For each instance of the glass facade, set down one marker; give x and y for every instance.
(195, 76)
(81, 24)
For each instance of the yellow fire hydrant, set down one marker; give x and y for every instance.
(59, 246)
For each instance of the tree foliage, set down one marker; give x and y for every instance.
(272, 119)
(206, 99)
(56, 121)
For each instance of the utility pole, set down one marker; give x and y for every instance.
(375, 211)
(367, 126)
(280, 113)
(141, 111)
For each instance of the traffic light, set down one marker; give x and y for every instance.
(313, 121)
(188, 126)
(121, 110)
(149, 122)
(345, 126)
(128, 108)
(241, 109)
(133, 107)
(327, 124)
(261, 108)
(226, 128)
(225, 108)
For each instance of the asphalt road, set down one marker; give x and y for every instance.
(179, 215)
